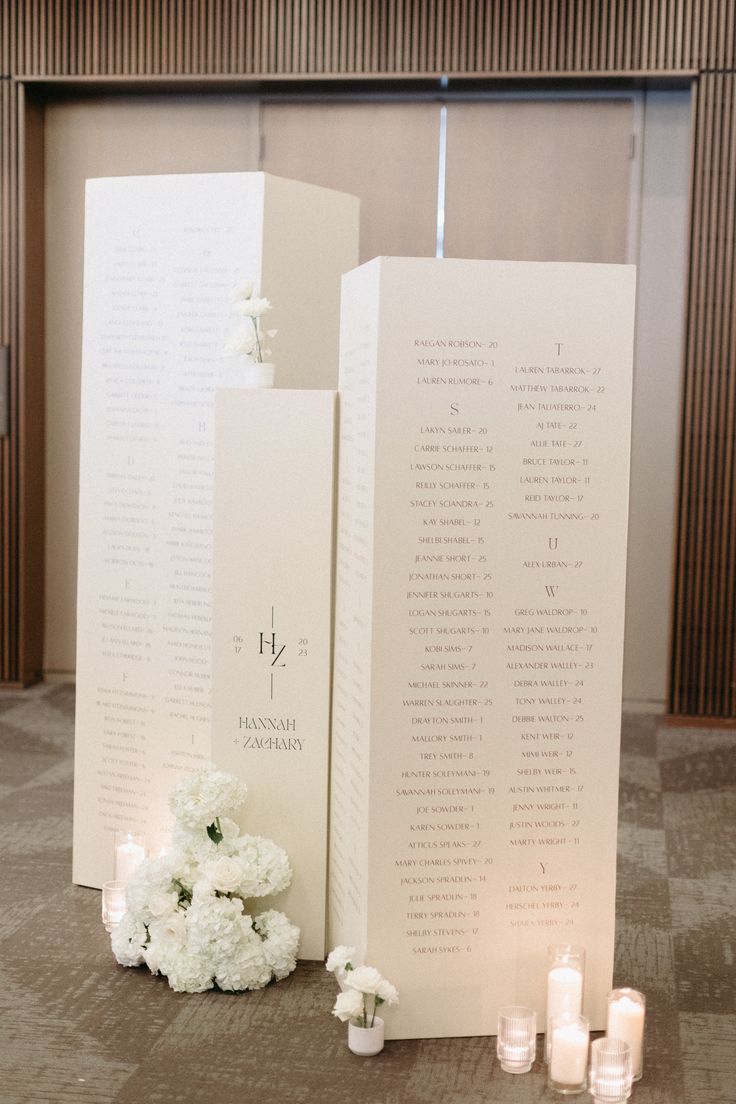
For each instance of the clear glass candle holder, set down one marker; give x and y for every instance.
(130, 851)
(610, 1071)
(568, 1057)
(113, 904)
(626, 1015)
(516, 1044)
(565, 981)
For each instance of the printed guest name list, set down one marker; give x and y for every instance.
(162, 255)
(479, 627)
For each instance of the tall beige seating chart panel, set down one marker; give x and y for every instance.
(162, 255)
(482, 517)
(272, 626)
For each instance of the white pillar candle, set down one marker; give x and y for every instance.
(128, 857)
(564, 992)
(626, 1022)
(569, 1058)
(564, 986)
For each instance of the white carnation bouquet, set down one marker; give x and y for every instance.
(363, 989)
(187, 914)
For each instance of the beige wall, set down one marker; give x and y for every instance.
(384, 152)
(538, 180)
(106, 137)
(658, 373)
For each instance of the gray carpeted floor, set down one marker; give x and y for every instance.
(78, 1029)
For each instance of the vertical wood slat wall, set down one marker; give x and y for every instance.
(704, 615)
(216, 37)
(10, 473)
(133, 39)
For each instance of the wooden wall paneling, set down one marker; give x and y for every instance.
(723, 644)
(21, 453)
(727, 550)
(542, 40)
(302, 38)
(704, 646)
(491, 60)
(696, 581)
(190, 37)
(699, 582)
(7, 636)
(716, 690)
(29, 427)
(581, 37)
(6, 35)
(713, 372)
(9, 627)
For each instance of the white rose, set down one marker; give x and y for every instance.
(230, 830)
(387, 992)
(224, 874)
(348, 1006)
(171, 929)
(243, 290)
(162, 904)
(241, 344)
(366, 979)
(252, 308)
(339, 958)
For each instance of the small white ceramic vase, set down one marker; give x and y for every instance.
(366, 1040)
(255, 374)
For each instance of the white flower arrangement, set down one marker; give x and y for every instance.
(186, 915)
(364, 990)
(247, 342)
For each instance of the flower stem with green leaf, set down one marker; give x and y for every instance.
(258, 341)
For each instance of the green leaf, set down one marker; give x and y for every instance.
(213, 831)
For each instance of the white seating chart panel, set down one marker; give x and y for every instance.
(161, 257)
(272, 627)
(482, 512)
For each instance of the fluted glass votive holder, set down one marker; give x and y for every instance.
(130, 851)
(113, 903)
(626, 1014)
(610, 1071)
(568, 1059)
(564, 985)
(516, 1043)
